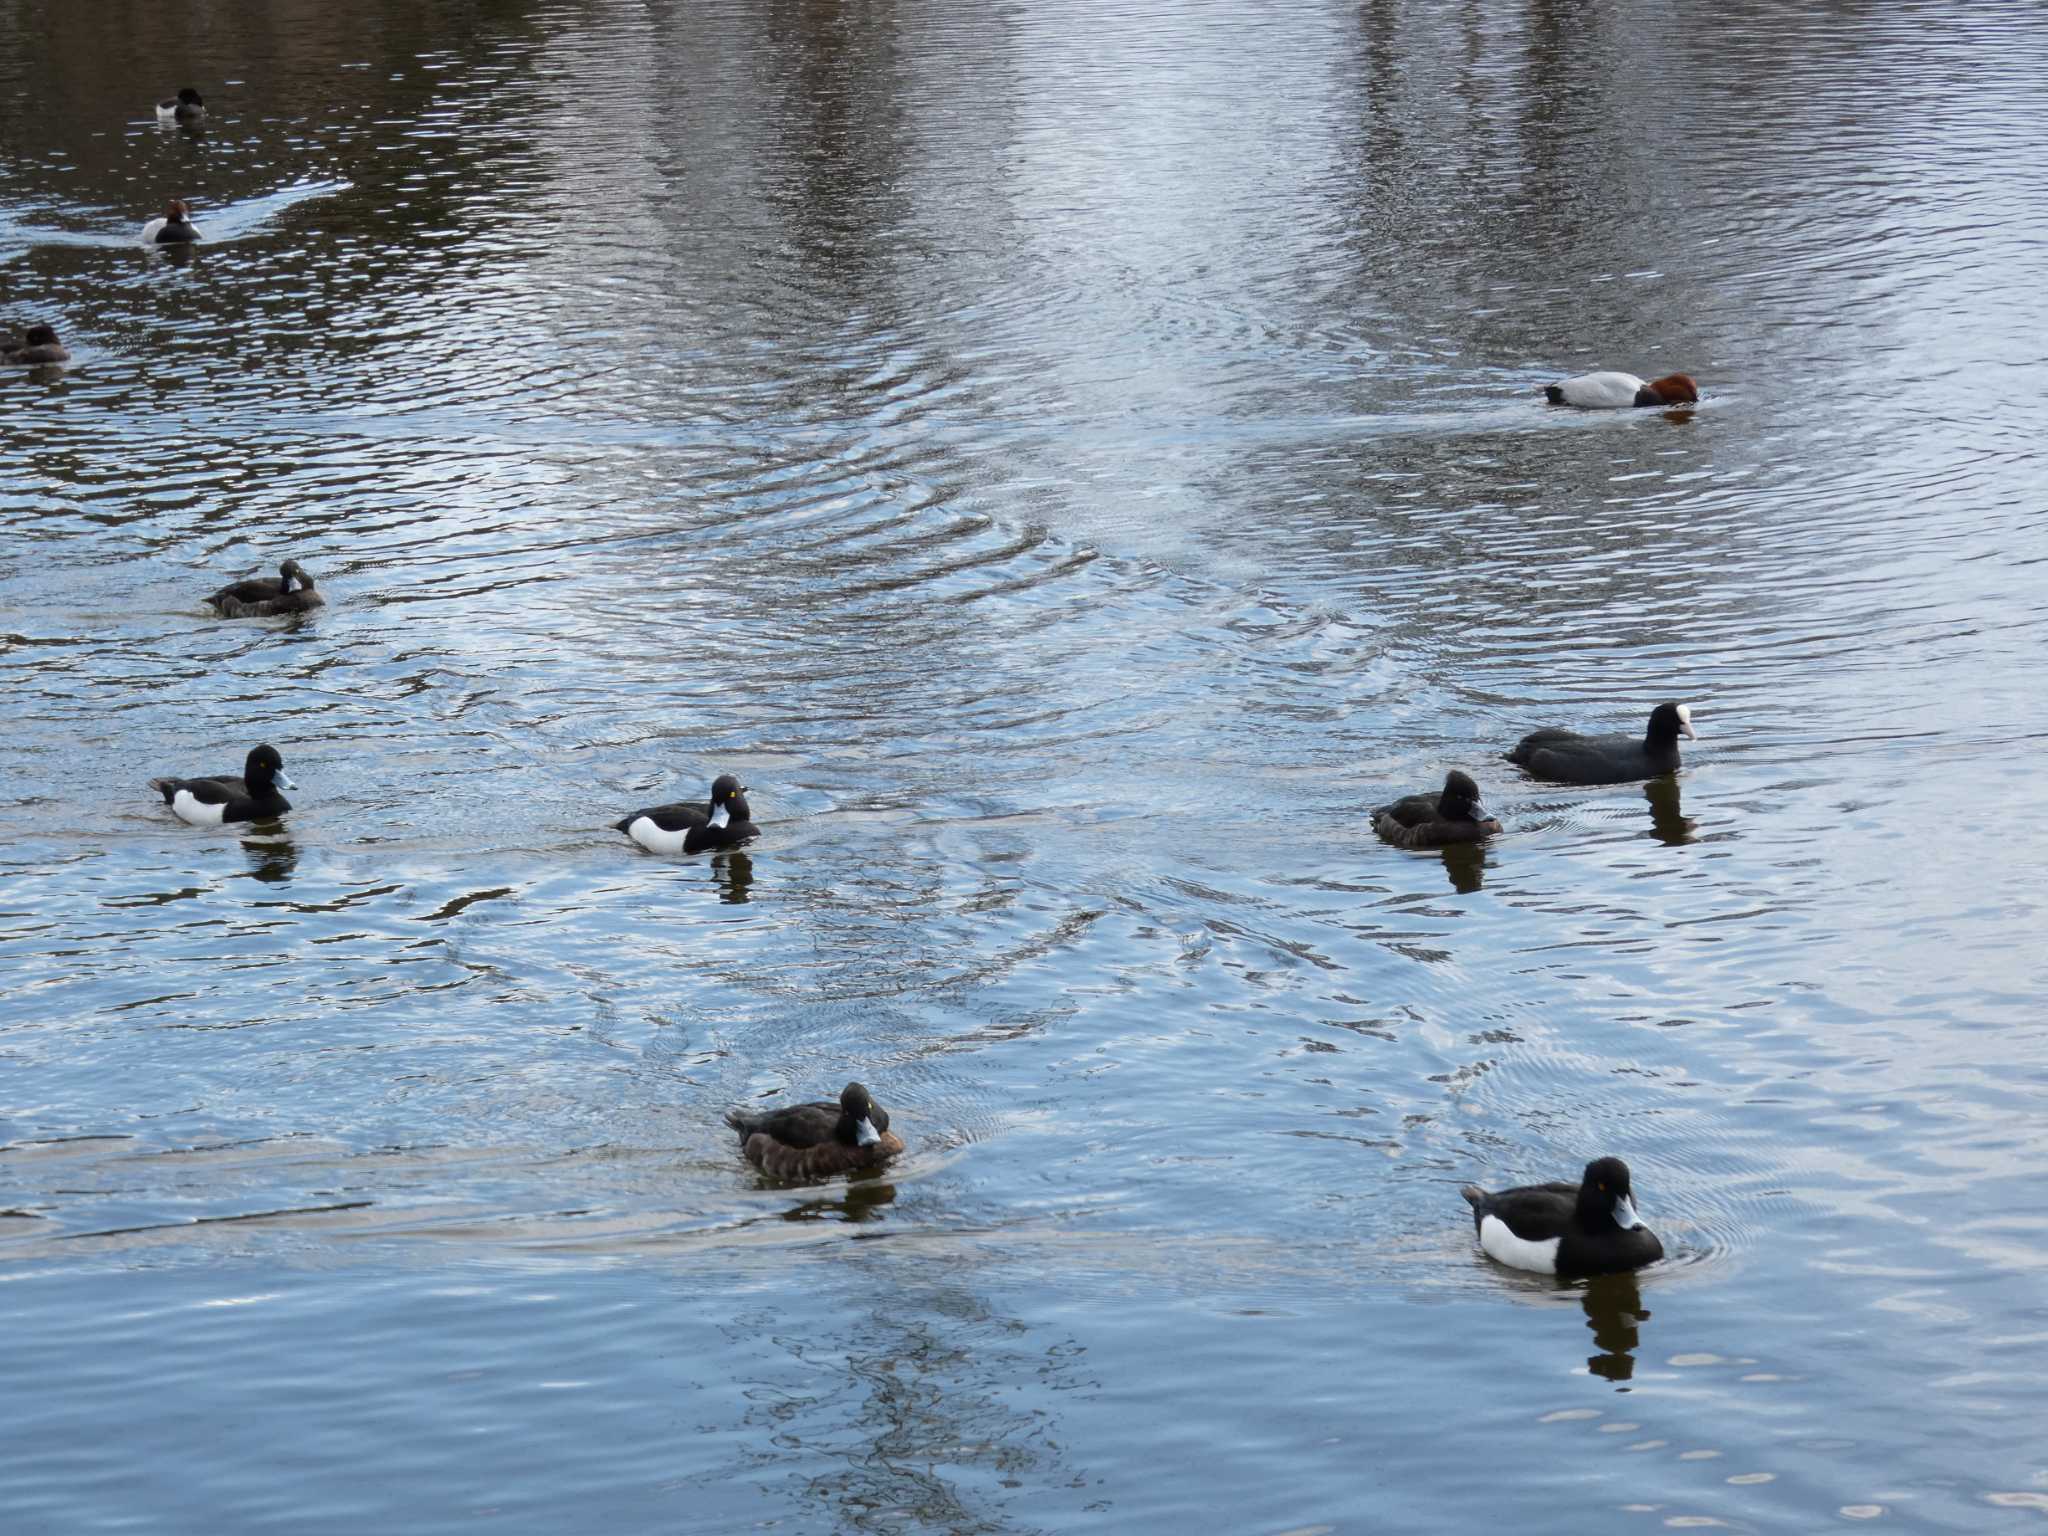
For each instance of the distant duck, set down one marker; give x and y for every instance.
(38, 344)
(818, 1141)
(174, 228)
(1619, 391)
(1566, 757)
(260, 597)
(1430, 821)
(185, 107)
(1590, 1228)
(680, 828)
(251, 797)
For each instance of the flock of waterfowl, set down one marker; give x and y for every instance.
(1587, 1228)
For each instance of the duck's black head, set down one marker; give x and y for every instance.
(1667, 721)
(724, 790)
(861, 1120)
(292, 571)
(263, 767)
(187, 97)
(1460, 799)
(1605, 1198)
(40, 336)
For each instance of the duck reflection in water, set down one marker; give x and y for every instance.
(272, 857)
(1465, 863)
(1614, 1306)
(1668, 824)
(734, 873)
(857, 1202)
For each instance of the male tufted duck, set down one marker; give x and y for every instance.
(186, 107)
(251, 797)
(680, 828)
(1561, 1229)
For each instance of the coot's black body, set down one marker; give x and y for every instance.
(1566, 757)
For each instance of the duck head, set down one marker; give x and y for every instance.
(858, 1117)
(264, 766)
(1672, 389)
(1460, 799)
(1605, 1195)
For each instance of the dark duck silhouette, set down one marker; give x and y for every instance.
(818, 1141)
(1430, 821)
(725, 822)
(250, 796)
(260, 597)
(1566, 757)
(1588, 1228)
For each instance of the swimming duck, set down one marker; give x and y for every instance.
(174, 228)
(186, 107)
(1430, 821)
(1560, 1229)
(260, 597)
(681, 828)
(1566, 757)
(39, 344)
(251, 797)
(1618, 391)
(818, 1141)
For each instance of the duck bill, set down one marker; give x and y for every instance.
(864, 1133)
(283, 780)
(1625, 1216)
(1480, 812)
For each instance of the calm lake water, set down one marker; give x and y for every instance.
(1073, 462)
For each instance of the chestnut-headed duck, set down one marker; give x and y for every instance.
(818, 1141)
(174, 228)
(725, 822)
(1588, 1228)
(250, 796)
(38, 344)
(1619, 391)
(1566, 757)
(1430, 821)
(186, 107)
(260, 597)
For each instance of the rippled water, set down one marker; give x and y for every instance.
(1073, 464)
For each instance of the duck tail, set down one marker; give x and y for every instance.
(740, 1121)
(1474, 1195)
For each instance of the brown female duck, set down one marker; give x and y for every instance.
(818, 1141)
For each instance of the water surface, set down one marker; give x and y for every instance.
(1073, 464)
